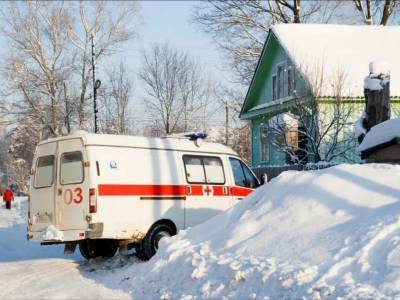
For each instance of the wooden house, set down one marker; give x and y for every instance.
(327, 63)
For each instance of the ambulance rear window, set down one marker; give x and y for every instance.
(44, 171)
(71, 168)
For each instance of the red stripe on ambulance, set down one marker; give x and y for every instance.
(140, 190)
(171, 190)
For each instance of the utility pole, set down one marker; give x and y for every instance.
(96, 85)
(226, 123)
(67, 113)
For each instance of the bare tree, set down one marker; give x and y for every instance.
(240, 27)
(49, 61)
(36, 66)
(377, 11)
(317, 128)
(116, 100)
(110, 25)
(173, 86)
(17, 149)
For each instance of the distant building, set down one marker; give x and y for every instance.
(304, 61)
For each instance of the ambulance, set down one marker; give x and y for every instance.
(108, 192)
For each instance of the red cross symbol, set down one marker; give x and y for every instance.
(208, 190)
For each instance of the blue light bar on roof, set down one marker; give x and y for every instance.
(195, 136)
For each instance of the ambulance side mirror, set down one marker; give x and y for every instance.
(264, 178)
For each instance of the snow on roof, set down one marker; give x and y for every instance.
(342, 49)
(168, 143)
(380, 134)
(318, 234)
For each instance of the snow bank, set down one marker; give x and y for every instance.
(9, 218)
(381, 133)
(316, 234)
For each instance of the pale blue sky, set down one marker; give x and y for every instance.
(169, 21)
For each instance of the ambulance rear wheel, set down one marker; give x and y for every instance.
(149, 245)
(98, 248)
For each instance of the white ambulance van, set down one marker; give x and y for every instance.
(104, 192)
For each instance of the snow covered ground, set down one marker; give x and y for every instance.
(31, 271)
(318, 234)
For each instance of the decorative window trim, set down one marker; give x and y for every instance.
(280, 90)
(267, 156)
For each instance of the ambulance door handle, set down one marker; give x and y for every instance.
(59, 191)
(224, 190)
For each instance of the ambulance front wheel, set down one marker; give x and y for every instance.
(149, 245)
(98, 248)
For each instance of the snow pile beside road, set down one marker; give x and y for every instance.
(318, 234)
(12, 217)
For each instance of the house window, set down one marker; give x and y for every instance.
(264, 142)
(292, 137)
(289, 137)
(283, 83)
(296, 142)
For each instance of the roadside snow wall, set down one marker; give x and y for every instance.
(317, 234)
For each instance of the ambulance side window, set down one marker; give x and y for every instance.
(238, 174)
(194, 169)
(214, 170)
(204, 169)
(242, 174)
(44, 171)
(71, 168)
(251, 180)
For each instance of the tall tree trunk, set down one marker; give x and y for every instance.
(387, 11)
(296, 11)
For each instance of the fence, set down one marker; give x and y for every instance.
(273, 172)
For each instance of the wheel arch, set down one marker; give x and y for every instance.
(168, 222)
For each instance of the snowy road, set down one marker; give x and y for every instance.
(28, 270)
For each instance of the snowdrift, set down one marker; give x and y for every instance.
(317, 234)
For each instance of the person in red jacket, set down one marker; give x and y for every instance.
(8, 196)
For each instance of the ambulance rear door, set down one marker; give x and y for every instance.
(72, 200)
(42, 187)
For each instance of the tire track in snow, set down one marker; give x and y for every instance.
(52, 278)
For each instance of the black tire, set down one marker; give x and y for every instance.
(149, 245)
(98, 248)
